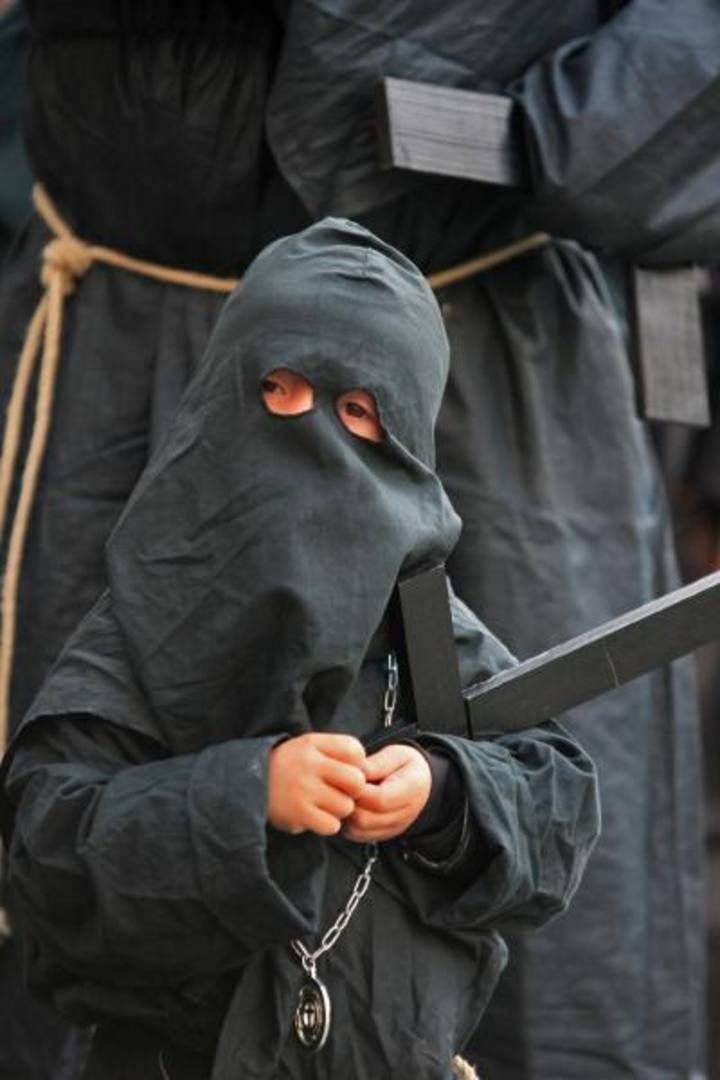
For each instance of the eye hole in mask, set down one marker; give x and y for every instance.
(285, 393)
(358, 413)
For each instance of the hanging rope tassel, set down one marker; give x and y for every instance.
(16, 407)
(463, 1070)
(65, 260)
(58, 279)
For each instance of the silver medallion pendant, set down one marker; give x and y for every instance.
(312, 1015)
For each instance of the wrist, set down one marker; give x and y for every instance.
(446, 798)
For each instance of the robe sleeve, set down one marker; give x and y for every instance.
(620, 130)
(137, 869)
(534, 814)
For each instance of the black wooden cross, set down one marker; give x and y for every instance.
(547, 685)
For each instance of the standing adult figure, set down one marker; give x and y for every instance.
(191, 138)
(565, 522)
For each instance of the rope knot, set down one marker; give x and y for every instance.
(5, 931)
(67, 257)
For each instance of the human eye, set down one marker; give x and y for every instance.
(358, 413)
(286, 393)
(354, 408)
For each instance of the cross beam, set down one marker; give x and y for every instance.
(549, 684)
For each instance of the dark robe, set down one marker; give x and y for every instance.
(248, 576)
(565, 521)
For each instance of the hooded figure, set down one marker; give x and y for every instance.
(299, 528)
(249, 578)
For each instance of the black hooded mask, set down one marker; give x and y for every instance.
(258, 553)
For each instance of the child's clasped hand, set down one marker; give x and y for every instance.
(325, 783)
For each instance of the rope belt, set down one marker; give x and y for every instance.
(66, 259)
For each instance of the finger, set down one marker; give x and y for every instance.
(364, 834)
(343, 747)
(386, 761)
(366, 821)
(398, 789)
(339, 774)
(372, 837)
(366, 825)
(333, 802)
(322, 823)
(380, 798)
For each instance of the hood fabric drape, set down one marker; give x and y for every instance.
(258, 553)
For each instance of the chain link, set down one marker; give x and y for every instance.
(391, 692)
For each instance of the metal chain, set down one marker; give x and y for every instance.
(309, 958)
(391, 692)
(362, 884)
